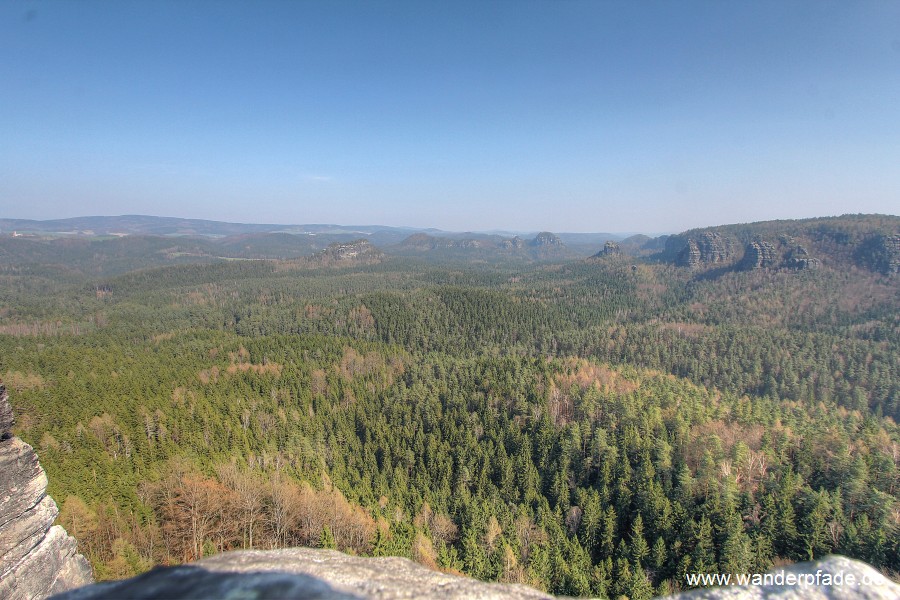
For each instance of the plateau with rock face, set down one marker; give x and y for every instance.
(36, 558)
(869, 242)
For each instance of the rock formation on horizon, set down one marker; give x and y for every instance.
(36, 558)
(545, 239)
(610, 248)
(338, 254)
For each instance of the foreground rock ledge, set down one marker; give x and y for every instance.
(299, 573)
(312, 573)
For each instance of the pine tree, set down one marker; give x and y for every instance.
(638, 548)
(703, 558)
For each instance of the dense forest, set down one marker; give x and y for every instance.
(599, 426)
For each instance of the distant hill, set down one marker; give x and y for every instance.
(277, 245)
(475, 247)
(173, 226)
(104, 256)
(110, 245)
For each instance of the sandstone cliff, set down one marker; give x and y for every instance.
(760, 255)
(36, 558)
(869, 242)
(609, 249)
(709, 248)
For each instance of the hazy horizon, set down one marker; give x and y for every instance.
(492, 231)
(574, 117)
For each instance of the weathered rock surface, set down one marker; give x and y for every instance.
(312, 573)
(299, 573)
(890, 262)
(36, 558)
(760, 255)
(709, 248)
(6, 416)
(799, 259)
(609, 249)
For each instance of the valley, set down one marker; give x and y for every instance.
(589, 415)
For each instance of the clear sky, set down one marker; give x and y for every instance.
(567, 116)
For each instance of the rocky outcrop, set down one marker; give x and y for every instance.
(351, 250)
(609, 249)
(341, 254)
(760, 255)
(709, 248)
(36, 558)
(300, 573)
(713, 249)
(799, 259)
(689, 256)
(880, 253)
(6, 415)
(546, 239)
(870, 242)
(514, 243)
(890, 254)
(313, 573)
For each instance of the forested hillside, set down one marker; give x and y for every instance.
(597, 426)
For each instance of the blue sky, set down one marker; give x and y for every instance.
(567, 116)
